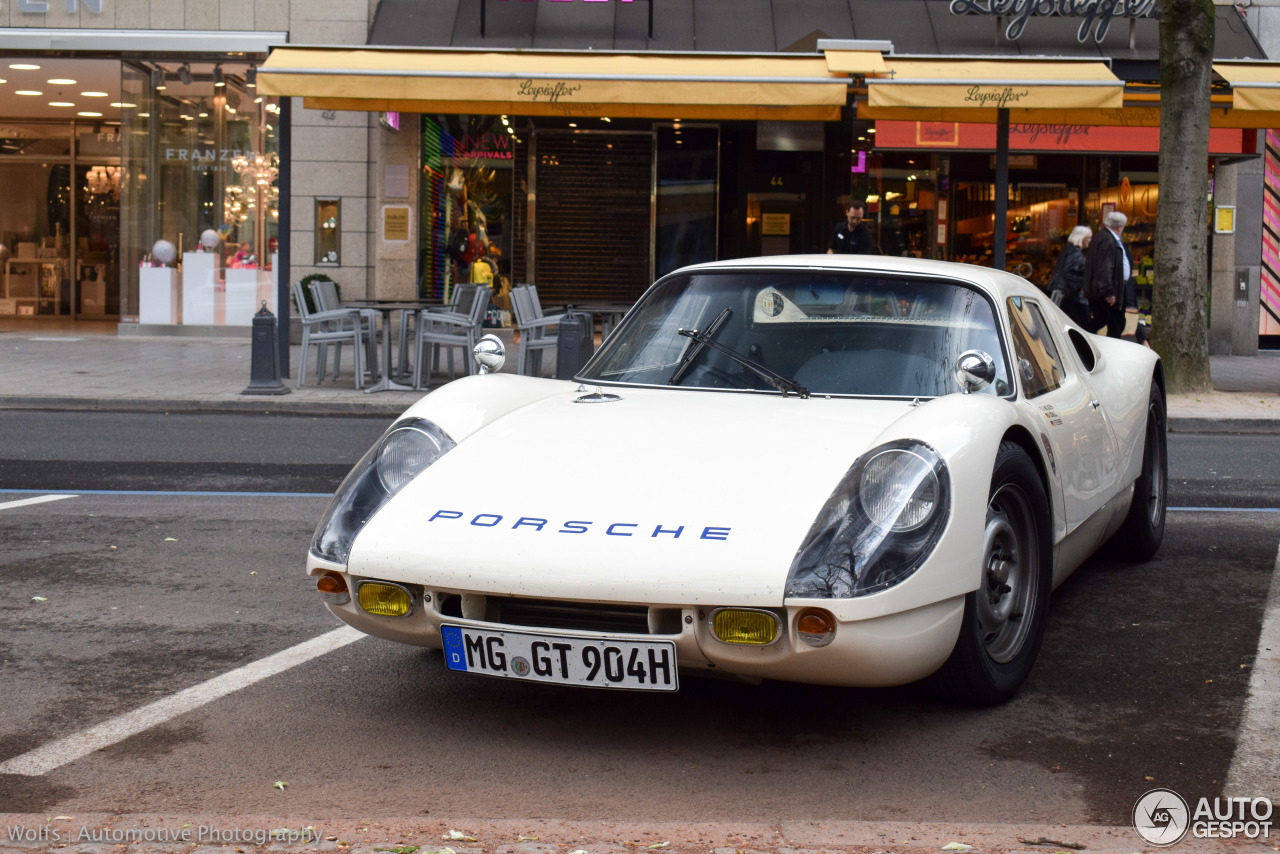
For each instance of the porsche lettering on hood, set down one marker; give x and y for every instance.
(611, 529)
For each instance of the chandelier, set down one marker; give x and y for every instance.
(101, 180)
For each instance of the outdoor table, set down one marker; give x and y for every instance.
(386, 306)
(608, 312)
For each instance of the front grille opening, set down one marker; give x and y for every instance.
(449, 604)
(582, 616)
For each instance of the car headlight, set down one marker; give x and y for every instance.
(878, 526)
(403, 452)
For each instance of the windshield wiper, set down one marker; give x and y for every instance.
(687, 361)
(772, 377)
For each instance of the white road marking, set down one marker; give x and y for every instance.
(54, 755)
(39, 499)
(1255, 768)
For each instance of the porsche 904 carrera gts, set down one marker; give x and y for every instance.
(841, 470)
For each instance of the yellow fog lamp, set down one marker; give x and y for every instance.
(816, 627)
(743, 626)
(332, 588)
(383, 599)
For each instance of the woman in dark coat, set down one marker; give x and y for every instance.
(1066, 285)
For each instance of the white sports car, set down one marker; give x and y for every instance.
(843, 470)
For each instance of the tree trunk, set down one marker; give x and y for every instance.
(1180, 299)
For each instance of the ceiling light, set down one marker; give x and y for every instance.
(184, 74)
(573, 124)
(157, 79)
(251, 77)
(185, 117)
(28, 92)
(62, 81)
(94, 94)
(123, 104)
(605, 119)
(3, 81)
(61, 104)
(24, 66)
(204, 115)
(871, 130)
(218, 79)
(90, 115)
(230, 109)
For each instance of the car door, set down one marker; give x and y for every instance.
(1072, 426)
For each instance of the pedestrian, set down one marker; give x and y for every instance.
(1108, 267)
(1066, 284)
(852, 237)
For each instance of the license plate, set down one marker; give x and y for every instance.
(637, 665)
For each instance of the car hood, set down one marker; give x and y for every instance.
(674, 497)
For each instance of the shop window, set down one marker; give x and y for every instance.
(328, 232)
(1039, 366)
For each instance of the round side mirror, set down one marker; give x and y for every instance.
(975, 370)
(490, 354)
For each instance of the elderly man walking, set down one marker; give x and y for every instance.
(1107, 268)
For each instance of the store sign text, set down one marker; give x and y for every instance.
(1062, 133)
(490, 146)
(1097, 14)
(995, 97)
(553, 92)
(41, 7)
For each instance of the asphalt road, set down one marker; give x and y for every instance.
(1141, 680)
(282, 453)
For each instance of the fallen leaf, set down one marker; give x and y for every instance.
(1149, 779)
(38, 599)
(460, 836)
(956, 846)
(661, 845)
(112, 548)
(526, 839)
(63, 817)
(253, 573)
(170, 539)
(279, 784)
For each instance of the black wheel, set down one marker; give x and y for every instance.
(1143, 529)
(1004, 619)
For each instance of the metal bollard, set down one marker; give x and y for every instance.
(264, 359)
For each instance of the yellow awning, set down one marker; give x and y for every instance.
(1254, 85)
(713, 86)
(866, 62)
(958, 89)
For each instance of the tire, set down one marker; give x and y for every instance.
(1140, 536)
(1004, 619)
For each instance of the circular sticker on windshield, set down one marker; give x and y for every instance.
(770, 303)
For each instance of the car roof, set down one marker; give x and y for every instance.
(995, 282)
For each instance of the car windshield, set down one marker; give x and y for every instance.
(831, 333)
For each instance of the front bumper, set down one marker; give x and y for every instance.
(890, 649)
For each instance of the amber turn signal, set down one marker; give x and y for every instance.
(332, 588)
(816, 627)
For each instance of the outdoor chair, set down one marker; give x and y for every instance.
(535, 329)
(449, 329)
(325, 294)
(322, 328)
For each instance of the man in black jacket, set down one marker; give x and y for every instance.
(852, 237)
(1107, 268)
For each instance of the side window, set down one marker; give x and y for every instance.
(1038, 363)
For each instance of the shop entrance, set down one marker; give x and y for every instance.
(60, 167)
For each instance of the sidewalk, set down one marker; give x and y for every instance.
(66, 370)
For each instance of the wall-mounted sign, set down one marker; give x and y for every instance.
(395, 222)
(775, 224)
(1224, 219)
(1097, 14)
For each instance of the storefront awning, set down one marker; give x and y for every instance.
(1255, 94)
(973, 90)
(579, 83)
